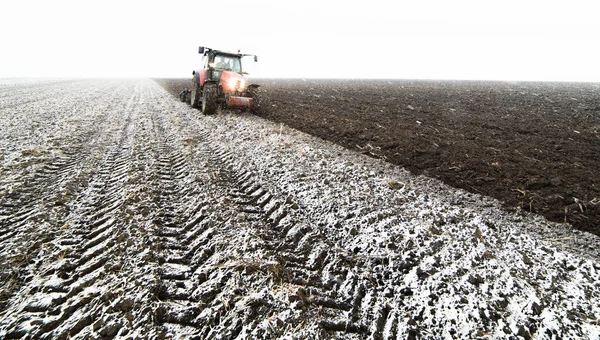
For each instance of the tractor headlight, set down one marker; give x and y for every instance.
(231, 83)
(235, 84)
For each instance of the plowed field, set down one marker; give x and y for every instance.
(126, 213)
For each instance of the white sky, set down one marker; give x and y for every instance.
(427, 39)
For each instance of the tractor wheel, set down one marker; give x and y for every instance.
(209, 99)
(195, 95)
(256, 97)
(183, 95)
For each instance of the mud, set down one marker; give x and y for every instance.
(126, 213)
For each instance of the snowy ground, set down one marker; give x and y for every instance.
(124, 212)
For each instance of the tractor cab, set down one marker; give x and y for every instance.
(227, 63)
(219, 61)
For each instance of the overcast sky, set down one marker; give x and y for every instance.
(501, 40)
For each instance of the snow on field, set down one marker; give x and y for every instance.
(125, 212)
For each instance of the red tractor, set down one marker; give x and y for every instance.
(221, 82)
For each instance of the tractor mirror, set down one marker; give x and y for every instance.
(201, 49)
(255, 58)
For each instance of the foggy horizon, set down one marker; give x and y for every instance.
(464, 40)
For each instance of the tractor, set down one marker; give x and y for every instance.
(221, 83)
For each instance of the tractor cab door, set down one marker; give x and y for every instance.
(203, 70)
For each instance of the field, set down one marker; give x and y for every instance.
(534, 146)
(124, 212)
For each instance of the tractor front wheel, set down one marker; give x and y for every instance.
(209, 99)
(256, 100)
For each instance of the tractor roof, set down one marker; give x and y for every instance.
(231, 54)
(206, 50)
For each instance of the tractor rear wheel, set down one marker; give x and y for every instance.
(209, 99)
(195, 95)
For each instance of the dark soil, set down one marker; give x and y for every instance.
(533, 146)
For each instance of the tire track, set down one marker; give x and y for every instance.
(268, 219)
(297, 251)
(41, 200)
(183, 228)
(343, 286)
(71, 292)
(198, 281)
(276, 238)
(55, 178)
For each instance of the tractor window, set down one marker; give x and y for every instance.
(228, 63)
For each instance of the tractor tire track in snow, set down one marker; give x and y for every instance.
(227, 226)
(53, 177)
(40, 196)
(61, 299)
